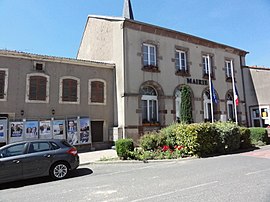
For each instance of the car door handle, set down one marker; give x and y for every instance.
(47, 155)
(16, 161)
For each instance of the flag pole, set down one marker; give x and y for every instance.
(234, 93)
(210, 88)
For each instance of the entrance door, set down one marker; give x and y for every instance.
(97, 131)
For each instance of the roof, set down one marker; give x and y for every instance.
(145, 27)
(25, 55)
(258, 68)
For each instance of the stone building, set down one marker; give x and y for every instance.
(36, 87)
(152, 65)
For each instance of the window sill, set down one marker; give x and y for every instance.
(229, 79)
(182, 73)
(206, 76)
(151, 124)
(151, 68)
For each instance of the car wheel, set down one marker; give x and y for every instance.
(59, 171)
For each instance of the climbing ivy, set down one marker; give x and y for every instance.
(186, 105)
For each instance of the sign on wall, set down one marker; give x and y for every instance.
(31, 130)
(45, 129)
(3, 130)
(59, 129)
(16, 131)
(72, 131)
(85, 134)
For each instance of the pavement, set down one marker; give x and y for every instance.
(96, 156)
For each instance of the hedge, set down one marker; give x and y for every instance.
(124, 147)
(259, 135)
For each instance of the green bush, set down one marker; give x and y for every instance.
(124, 147)
(151, 141)
(258, 135)
(186, 135)
(168, 135)
(208, 139)
(230, 136)
(245, 141)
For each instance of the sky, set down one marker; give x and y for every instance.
(55, 27)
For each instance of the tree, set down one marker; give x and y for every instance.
(186, 105)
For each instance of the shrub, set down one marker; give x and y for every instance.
(168, 135)
(151, 141)
(186, 135)
(258, 134)
(208, 139)
(186, 105)
(124, 147)
(229, 135)
(245, 141)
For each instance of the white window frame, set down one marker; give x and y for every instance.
(206, 64)
(6, 84)
(178, 105)
(260, 118)
(28, 86)
(149, 46)
(149, 98)
(230, 102)
(61, 90)
(228, 68)
(179, 59)
(206, 102)
(89, 92)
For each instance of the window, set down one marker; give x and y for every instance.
(37, 85)
(149, 55)
(37, 88)
(3, 84)
(181, 60)
(39, 147)
(207, 106)
(230, 107)
(178, 105)
(206, 64)
(14, 150)
(228, 68)
(260, 116)
(69, 90)
(97, 92)
(149, 105)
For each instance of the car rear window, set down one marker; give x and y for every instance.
(64, 142)
(55, 146)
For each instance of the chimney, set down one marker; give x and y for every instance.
(127, 10)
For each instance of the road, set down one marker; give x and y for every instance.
(239, 177)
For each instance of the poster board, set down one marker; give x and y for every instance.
(72, 131)
(16, 131)
(45, 129)
(85, 131)
(59, 131)
(3, 130)
(31, 130)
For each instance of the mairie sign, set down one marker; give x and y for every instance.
(197, 81)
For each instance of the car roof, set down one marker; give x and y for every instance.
(28, 141)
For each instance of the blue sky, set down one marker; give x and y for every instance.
(55, 27)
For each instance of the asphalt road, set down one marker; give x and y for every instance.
(239, 177)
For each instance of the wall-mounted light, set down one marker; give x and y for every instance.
(22, 112)
(53, 111)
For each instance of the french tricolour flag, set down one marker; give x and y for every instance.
(236, 98)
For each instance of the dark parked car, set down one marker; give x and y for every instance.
(29, 159)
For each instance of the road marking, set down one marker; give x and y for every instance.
(173, 192)
(259, 171)
(142, 168)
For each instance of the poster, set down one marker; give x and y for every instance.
(31, 130)
(45, 129)
(59, 129)
(3, 130)
(72, 131)
(16, 131)
(85, 135)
